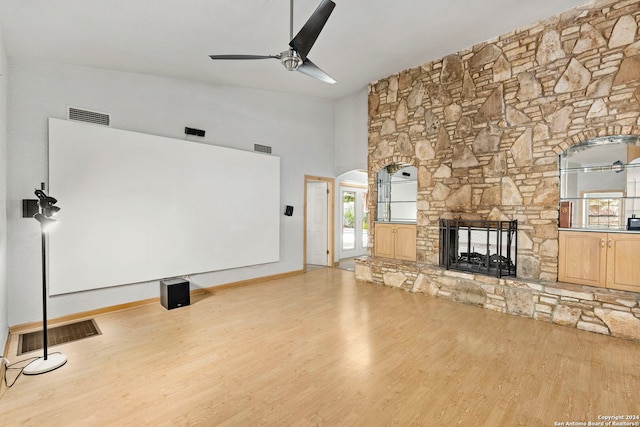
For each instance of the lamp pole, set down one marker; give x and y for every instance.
(45, 363)
(45, 341)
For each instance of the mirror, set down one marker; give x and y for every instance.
(397, 186)
(600, 183)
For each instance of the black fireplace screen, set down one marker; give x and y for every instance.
(479, 246)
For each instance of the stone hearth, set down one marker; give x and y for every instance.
(603, 311)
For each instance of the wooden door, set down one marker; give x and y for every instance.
(384, 240)
(317, 220)
(582, 258)
(623, 262)
(405, 242)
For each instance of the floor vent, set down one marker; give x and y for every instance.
(95, 117)
(262, 148)
(32, 341)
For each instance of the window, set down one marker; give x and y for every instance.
(348, 220)
(602, 209)
(354, 221)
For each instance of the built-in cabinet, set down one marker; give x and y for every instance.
(395, 241)
(607, 260)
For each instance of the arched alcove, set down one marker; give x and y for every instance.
(397, 191)
(598, 183)
(393, 207)
(392, 166)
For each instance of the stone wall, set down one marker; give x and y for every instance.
(485, 126)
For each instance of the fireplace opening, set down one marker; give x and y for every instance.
(479, 246)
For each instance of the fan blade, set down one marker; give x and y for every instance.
(216, 57)
(306, 37)
(312, 70)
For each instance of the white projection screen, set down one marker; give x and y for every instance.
(137, 207)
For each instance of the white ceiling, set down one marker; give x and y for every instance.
(364, 40)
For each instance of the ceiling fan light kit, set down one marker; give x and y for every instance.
(295, 58)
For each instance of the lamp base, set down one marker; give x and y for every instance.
(42, 365)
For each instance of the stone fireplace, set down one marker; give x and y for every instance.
(484, 127)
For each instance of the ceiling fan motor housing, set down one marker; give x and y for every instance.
(290, 59)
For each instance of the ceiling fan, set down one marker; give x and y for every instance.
(295, 58)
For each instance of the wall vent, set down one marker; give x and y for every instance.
(82, 115)
(262, 148)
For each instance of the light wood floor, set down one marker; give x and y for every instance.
(322, 349)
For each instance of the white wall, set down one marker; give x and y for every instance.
(601, 181)
(351, 141)
(300, 130)
(4, 326)
(351, 132)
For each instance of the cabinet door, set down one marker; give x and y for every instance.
(582, 258)
(384, 240)
(623, 262)
(405, 242)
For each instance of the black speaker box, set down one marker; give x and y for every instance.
(174, 293)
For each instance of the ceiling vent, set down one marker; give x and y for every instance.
(94, 117)
(262, 148)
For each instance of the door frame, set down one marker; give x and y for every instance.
(330, 218)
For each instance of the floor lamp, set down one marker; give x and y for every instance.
(48, 362)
